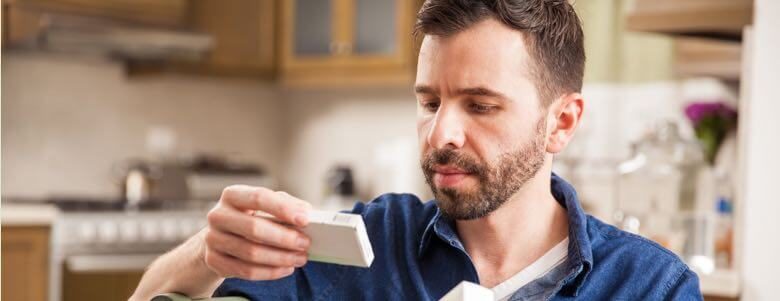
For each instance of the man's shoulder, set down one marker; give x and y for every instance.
(608, 238)
(638, 260)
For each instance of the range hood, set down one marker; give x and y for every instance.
(127, 41)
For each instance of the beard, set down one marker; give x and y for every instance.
(497, 182)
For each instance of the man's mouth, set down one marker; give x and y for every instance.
(448, 176)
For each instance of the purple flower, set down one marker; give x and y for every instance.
(696, 111)
(711, 122)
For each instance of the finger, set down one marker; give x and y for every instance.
(279, 204)
(248, 251)
(227, 266)
(259, 230)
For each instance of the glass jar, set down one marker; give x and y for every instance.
(658, 191)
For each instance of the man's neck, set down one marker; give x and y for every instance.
(517, 234)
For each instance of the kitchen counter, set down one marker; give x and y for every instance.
(27, 214)
(721, 283)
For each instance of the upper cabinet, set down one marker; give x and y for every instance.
(301, 43)
(346, 42)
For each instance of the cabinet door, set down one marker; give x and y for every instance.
(108, 285)
(25, 267)
(347, 42)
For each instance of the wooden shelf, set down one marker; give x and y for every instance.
(722, 19)
(707, 57)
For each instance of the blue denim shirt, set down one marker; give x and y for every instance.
(418, 256)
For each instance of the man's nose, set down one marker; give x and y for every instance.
(447, 130)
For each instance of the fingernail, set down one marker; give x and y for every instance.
(302, 243)
(301, 219)
(300, 261)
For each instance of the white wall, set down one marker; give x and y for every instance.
(759, 153)
(66, 121)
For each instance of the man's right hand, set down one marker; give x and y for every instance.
(240, 244)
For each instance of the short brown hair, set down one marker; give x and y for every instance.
(551, 29)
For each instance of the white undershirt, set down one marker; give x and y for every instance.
(537, 269)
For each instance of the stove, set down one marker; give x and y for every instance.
(101, 236)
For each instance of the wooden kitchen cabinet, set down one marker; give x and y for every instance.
(25, 263)
(112, 285)
(346, 42)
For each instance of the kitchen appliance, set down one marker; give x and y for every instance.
(32, 26)
(99, 236)
(145, 182)
(164, 202)
(340, 189)
(137, 187)
(208, 175)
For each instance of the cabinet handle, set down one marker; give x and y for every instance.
(340, 48)
(347, 49)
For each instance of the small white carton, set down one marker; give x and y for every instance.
(336, 237)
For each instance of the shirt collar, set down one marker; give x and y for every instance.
(580, 259)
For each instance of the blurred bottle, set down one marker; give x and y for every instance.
(724, 222)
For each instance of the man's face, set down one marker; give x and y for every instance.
(481, 127)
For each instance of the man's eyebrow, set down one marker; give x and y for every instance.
(425, 90)
(475, 91)
(482, 91)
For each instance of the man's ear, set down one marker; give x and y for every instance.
(565, 115)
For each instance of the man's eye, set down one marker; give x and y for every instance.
(431, 106)
(480, 108)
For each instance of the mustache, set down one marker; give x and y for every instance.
(453, 158)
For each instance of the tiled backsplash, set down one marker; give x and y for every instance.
(66, 122)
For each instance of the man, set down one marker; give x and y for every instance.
(497, 90)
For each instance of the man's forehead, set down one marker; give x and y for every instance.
(485, 59)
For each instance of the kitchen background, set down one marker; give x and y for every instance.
(121, 120)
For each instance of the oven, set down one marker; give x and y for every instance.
(101, 254)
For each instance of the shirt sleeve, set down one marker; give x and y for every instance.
(686, 288)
